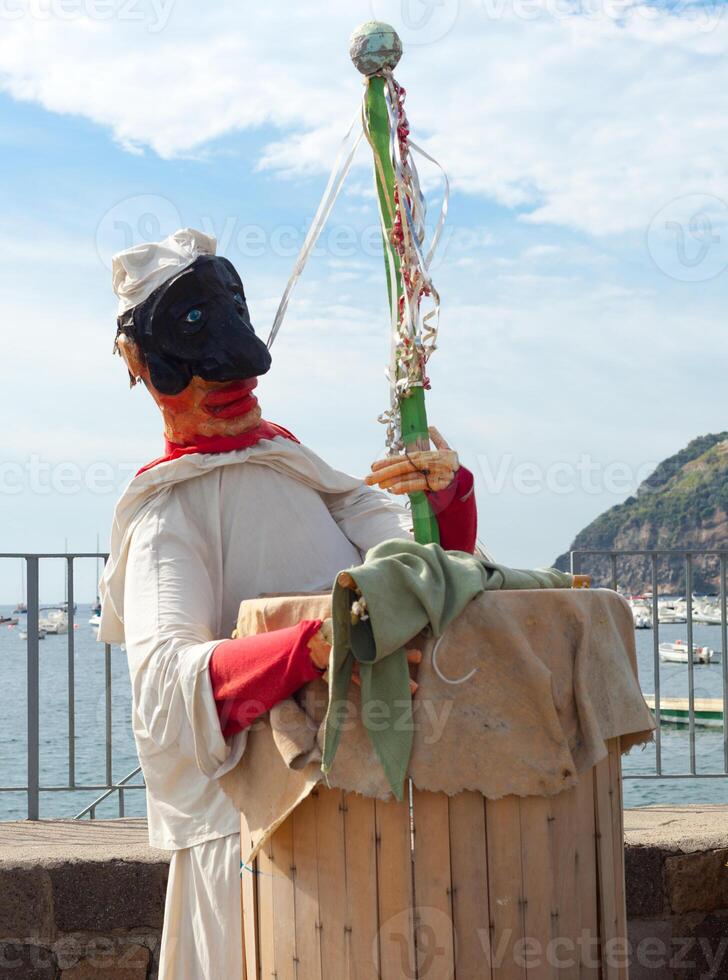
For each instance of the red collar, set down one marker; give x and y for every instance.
(220, 444)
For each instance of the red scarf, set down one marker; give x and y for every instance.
(220, 444)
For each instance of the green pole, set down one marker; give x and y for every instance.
(412, 407)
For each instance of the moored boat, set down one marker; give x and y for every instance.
(672, 611)
(677, 653)
(55, 622)
(24, 634)
(707, 712)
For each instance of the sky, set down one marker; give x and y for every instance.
(582, 270)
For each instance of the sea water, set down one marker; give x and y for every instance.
(90, 730)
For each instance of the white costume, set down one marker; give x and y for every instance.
(191, 538)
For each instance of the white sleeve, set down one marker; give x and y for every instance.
(368, 516)
(170, 625)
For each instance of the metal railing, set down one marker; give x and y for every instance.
(688, 557)
(109, 788)
(33, 789)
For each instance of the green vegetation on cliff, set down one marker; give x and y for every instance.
(682, 504)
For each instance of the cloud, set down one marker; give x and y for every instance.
(591, 116)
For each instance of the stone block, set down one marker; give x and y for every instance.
(650, 942)
(644, 881)
(123, 963)
(700, 947)
(19, 961)
(697, 881)
(103, 896)
(26, 909)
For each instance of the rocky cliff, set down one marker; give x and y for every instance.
(683, 504)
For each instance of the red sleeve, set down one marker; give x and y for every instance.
(456, 513)
(253, 673)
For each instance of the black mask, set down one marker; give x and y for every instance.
(197, 323)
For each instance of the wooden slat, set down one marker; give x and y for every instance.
(608, 918)
(248, 899)
(620, 910)
(266, 935)
(503, 833)
(566, 884)
(242, 930)
(469, 872)
(586, 874)
(305, 856)
(332, 884)
(539, 874)
(433, 887)
(394, 889)
(284, 918)
(361, 887)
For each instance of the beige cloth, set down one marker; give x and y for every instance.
(203, 936)
(551, 676)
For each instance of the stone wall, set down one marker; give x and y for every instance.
(677, 892)
(80, 901)
(85, 901)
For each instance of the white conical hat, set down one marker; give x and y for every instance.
(138, 271)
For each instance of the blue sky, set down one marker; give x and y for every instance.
(582, 273)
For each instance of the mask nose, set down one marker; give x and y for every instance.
(255, 358)
(246, 357)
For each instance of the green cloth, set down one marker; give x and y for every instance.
(407, 586)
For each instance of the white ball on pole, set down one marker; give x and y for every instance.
(374, 47)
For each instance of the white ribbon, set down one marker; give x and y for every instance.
(342, 166)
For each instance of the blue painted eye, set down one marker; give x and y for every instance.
(239, 299)
(194, 316)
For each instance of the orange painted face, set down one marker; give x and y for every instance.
(209, 409)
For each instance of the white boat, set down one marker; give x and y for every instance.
(672, 611)
(677, 653)
(642, 612)
(24, 635)
(706, 611)
(55, 622)
(95, 620)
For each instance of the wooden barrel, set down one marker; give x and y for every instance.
(440, 887)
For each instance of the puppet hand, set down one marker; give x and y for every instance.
(319, 646)
(431, 469)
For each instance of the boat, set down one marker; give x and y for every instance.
(708, 712)
(24, 634)
(706, 610)
(677, 653)
(9, 620)
(22, 606)
(672, 611)
(641, 611)
(95, 620)
(55, 622)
